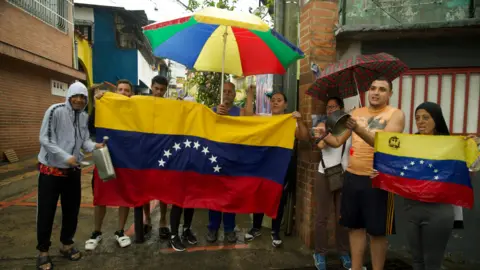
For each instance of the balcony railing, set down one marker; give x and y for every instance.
(52, 12)
(400, 12)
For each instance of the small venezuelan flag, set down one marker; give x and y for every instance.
(425, 168)
(183, 153)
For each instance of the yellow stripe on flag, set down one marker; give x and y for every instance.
(427, 147)
(148, 114)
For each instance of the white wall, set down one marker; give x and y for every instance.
(145, 72)
(345, 51)
(84, 14)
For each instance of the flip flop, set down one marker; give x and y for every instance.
(44, 260)
(70, 254)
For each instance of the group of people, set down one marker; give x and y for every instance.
(362, 210)
(67, 130)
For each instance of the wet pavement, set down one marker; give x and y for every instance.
(18, 239)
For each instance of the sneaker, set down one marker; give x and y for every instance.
(231, 237)
(363, 268)
(164, 233)
(189, 237)
(346, 261)
(212, 236)
(276, 240)
(92, 243)
(176, 243)
(122, 239)
(320, 261)
(252, 234)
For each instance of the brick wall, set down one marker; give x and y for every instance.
(24, 31)
(317, 41)
(24, 97)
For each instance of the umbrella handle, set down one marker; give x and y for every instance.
(223, 63)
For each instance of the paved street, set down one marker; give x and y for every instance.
(18, 239)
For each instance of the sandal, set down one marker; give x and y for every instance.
(43, 261)
(71, 254)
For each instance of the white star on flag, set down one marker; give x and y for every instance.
(421, 161)
(436, 177)
(196, 145)
(177, 147)
(430, 165)
(435, 171)
(213, 159)
(167, 153)
(187, 143)
(405, 167)
(217, 168)
(161, 163)
(205, 150)
(402, 174)
(412, 163)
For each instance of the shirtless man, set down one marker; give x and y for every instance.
(364, 209)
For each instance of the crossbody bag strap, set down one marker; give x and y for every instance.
(343, 150)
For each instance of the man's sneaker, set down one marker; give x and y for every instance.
(176, 243)
(164, 233)
(346, 261)
(122, 239)
(320, 262)
(211, 236)
(92, 243)
(276, 240)
(231, 237)
(363, 268)
(252, 234)
(189, 237)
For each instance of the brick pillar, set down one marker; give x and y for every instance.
(317, 41)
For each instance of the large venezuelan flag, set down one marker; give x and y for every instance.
(425, 168)
(182, 153)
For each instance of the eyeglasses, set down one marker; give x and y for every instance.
(332, 107)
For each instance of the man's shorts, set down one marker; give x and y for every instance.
(365, 207)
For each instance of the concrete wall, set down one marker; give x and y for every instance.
(111, 63)
(395, 12)
(145, 72)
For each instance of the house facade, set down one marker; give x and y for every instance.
(119, 49)
(36, 66)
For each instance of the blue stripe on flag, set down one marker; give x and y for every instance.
(449, 171)
(135, 150)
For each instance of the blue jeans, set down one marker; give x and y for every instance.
(215, 218)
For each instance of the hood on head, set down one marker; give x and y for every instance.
(76, 88)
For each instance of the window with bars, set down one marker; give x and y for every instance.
(124, 34)
(86, 31)
(456, 90)
(51, 12)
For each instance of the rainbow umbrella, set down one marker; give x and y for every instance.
(224, 41)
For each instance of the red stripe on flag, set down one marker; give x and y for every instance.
(154, 26)
(426, 191)
(241, 194)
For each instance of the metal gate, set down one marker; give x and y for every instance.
(456, 90)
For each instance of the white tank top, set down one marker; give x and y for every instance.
(333, 156)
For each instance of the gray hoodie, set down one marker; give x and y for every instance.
(64, 132)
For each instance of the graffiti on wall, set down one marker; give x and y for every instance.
(397, 12)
